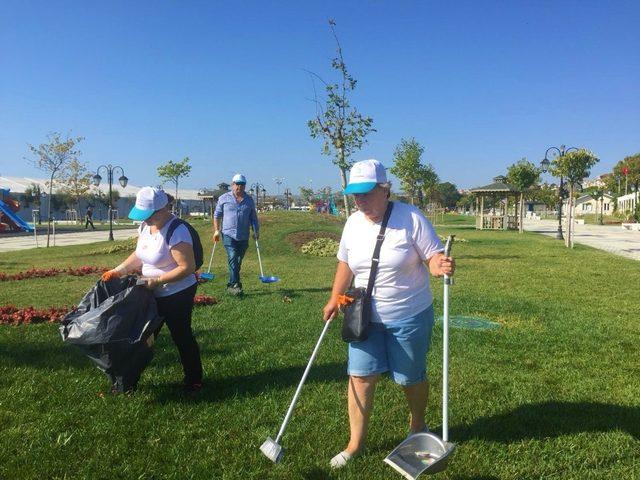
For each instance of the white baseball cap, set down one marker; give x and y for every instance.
(239, 179)
(148, 201)
(365, 175)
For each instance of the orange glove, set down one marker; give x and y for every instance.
(344, 300)
(110, 275)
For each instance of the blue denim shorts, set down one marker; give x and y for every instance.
(399, 347)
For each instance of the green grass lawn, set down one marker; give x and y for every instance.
(553, 393)
(594, 219)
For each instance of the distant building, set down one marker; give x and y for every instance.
(586, 205)
(594, 182)
(627, 203)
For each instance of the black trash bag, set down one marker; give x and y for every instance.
(114, 325)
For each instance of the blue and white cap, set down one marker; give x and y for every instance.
(148, 201)
(239, 179)
(365, 175)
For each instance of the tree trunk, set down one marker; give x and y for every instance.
(571, 222)
(567, 232)
(175, 202)
(49, 209)
(343, 179)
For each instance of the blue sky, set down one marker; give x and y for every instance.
(480, 84)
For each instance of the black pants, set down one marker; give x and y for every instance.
(89, 222)
(176, 311)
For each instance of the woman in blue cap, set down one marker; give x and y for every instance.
(169, 267)
(402, 311)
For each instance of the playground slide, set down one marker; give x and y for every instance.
(6, 211)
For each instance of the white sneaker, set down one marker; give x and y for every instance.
(340, 460)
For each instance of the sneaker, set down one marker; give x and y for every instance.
(340, 460)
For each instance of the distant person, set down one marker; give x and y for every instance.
(402, 310)
(88, 217)
(169, 268)
(237, 211)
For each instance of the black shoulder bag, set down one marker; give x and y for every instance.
(357, 301)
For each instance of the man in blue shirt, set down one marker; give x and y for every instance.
(238, 213)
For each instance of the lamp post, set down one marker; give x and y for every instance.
(287, 196)
(110, 169)
(258, 188)
(279, 181)
(545, 163)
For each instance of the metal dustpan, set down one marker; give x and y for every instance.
(426, 452)
(264, 278)
(209, 275)
(420, 453)
(268, 279)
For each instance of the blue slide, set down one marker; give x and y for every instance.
(4, 208)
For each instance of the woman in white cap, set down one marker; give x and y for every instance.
(165, 256)
(402, 312)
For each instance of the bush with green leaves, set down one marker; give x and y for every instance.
(321, 247)
(128, 245)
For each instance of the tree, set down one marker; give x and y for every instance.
(340, 125)
(546, 193)
(446, 193)
(307, 195)
(415, 178)
(75, 182)
(53, 157)
(522, 175)
(597, 193)
(466, 202)
(173, 172)
(103, 198)
(628, 171)
(574, 166)
(32, 195)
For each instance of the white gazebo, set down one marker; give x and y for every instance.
(500, 216)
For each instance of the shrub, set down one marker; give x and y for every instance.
(321, 247)
(128, 245)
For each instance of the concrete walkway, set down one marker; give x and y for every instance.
(23, 242)
(611, 238)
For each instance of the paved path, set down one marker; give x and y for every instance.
(611, 238)
(23, 242)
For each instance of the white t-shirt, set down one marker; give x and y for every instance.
(156, 257)
(401, 288)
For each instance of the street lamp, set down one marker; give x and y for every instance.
(279, 181)
(287, 196)
(258, 188)
(544, 164)
(123, 181)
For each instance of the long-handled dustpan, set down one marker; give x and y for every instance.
(262, 277)
(272, 448)
(208, 275)
(426, 452)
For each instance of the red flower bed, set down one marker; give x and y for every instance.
(52, 272)
(11, 315)
(204, 300)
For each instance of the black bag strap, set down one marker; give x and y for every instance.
(175, 223)
(376, 251)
